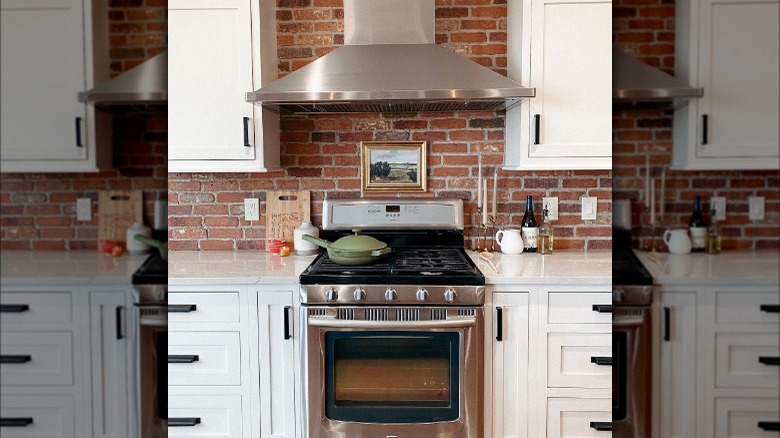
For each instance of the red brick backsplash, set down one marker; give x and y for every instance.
(321, 153)
(39, 210)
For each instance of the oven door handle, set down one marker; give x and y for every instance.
(391, 325)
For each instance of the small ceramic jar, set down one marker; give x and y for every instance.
(303, 247)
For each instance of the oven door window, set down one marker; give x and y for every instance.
(392, 377)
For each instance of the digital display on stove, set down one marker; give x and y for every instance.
(392, 209)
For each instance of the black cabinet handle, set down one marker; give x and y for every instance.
(15, 421)
(770, 308)
(119, 325)
(499, 324)
(183, 422)
(537, 125)
(246, 132)
(769, 360)
(667, 323)
(287, 333)
(601, 360)
(15, 358)
(769, 426)
(183, 358)
(182, 308)
(601, 426)
(78, 132)
(602, 308)
(14, 308)
(704, 128)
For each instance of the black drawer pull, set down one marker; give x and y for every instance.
(183, 422)
(78, 132)
(769, 360)
(287, 332)
(770, 308)
(15, 358)
(667, 323)
(704, 129)
(14, 308)
(246, 132)
(602, 308)
(182, 308)
(601, 360)
(119, 325)
(499, 324)
(15, 421)
(769, 426)
(537, 126)
(183, 358)
(601, 426)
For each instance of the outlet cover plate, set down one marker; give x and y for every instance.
(552, 204)
(719, 204)
(83, 209)
(252, 209)
(756, 208)
(589, 204)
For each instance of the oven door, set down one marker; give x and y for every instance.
(393, 372)
(151, 349)
(631, 377)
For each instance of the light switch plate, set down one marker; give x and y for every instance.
(252, 209)
(83, 209)
(719, 204)
(756, 208)
(552, 205)
(589, 204)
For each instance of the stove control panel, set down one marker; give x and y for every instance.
(450, 295)
(422, 295)
(359, 294)
(392, 294)
(331, 295)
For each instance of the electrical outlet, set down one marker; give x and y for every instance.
(589, 204)
(252, 209)
(83, 209)
(551, 204)
(756, 208)
(718, 203)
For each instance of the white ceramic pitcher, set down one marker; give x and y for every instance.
(678, 241)
(510, 241)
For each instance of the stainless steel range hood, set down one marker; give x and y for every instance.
(390, 63)
(144, 84)
(635, 81)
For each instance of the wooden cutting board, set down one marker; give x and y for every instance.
(117, 210)
(284, 212)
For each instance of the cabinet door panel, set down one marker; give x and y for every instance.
(570, 417)
(739, 418)
(510, 366)
(109, 364)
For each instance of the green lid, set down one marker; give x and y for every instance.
(357, 243)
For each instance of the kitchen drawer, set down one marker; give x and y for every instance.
(737, 361)
(35, 307)
(52, 415)
(218, 358)
(577, 308)
(578, 417)
(746, 308)
(209, 307)
(571, 357)
(218, 415)
(740, 417)
(47, 358)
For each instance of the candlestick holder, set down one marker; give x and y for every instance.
(493, 230)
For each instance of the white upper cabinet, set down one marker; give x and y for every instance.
(51, 51)
(730, 48)
(215, 58)
(564, 50)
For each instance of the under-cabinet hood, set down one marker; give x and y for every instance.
(635, 81)
(390, 63)
(144, 84)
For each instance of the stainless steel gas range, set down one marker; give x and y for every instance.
(394, 348)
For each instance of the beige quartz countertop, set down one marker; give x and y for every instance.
(727, 268)
(248, 267)
(67, 267)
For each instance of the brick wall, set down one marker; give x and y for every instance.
(38, 210)
(321, 152)
(643, 135)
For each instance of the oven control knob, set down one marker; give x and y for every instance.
(331, 295)
(450, 295)
(422, 295)
(359, 294)
(391, 295)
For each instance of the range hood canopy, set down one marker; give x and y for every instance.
(390, 63)
(144, 84)
(635, 81)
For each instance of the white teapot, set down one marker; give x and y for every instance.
(678, 241)
(510, 241)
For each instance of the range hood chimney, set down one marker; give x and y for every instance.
(390, 63)
(144, 84)
(635, 81)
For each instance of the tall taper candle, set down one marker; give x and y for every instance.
(652, 203)
(479, 183)
(495, 186)
(484, 203)
(647, 183)
(663, 190)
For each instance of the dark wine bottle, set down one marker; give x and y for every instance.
(530, 230)
(697, 227)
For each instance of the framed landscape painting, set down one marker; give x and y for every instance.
(393, 166)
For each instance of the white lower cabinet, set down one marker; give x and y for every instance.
(204, 358)
(205, 416)
(510, 364)
(579, 417)
(39, 415)
(746, 417)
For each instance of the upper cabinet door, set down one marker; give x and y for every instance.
(566, 56)
(210, 69)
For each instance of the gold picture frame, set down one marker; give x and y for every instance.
(393, 166)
